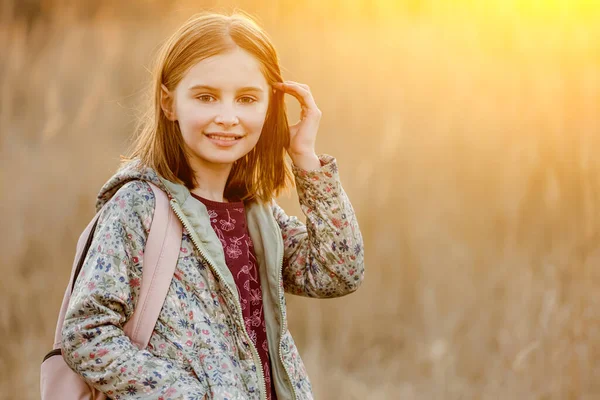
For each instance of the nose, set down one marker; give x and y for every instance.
(227, 116)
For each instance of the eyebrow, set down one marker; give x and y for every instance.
(214, 89)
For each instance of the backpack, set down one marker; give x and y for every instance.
(58, 381)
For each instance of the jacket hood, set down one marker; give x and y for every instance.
(133, 170)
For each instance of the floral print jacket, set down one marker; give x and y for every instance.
(199, 346)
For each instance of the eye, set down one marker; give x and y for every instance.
(203, 97)
(251, 100)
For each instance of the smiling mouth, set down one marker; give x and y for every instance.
(224, 138)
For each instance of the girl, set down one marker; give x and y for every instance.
(214, 141)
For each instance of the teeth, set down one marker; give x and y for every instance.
(221, 137)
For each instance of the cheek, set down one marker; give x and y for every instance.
(253, 120)
(194, 118)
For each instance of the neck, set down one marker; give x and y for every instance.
(211, 179)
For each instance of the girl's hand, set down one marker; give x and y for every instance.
(303, 134)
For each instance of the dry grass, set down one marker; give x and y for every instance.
(466, 137)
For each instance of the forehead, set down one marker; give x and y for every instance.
(226, 71)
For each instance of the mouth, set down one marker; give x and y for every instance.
(224, 137)
(224, 140)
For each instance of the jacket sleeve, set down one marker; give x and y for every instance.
(323, 258)
(104, 298)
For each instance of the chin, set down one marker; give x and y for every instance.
(224, 159)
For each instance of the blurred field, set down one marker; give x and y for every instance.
(467, 135)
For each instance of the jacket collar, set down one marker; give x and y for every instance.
(262, 227)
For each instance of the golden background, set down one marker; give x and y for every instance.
(466, 133)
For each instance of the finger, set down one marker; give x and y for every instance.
(305, 86)
(303, 95)
(291, 84)
(295, 83)
(301, 92)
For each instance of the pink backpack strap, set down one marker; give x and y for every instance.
(159, 261)
(158, 266)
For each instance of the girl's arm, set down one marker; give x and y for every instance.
(325, 257)
(104, 298)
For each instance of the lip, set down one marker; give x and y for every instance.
(224, 143)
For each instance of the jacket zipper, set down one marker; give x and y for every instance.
(255, 356)
(279, 287)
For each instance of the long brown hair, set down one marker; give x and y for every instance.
(262, 173)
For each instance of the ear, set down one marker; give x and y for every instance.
(167, 103)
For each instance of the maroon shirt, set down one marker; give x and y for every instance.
(229, 223)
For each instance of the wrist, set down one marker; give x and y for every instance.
(307, 161)
(302, 153)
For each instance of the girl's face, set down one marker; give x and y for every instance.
(225, 94)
